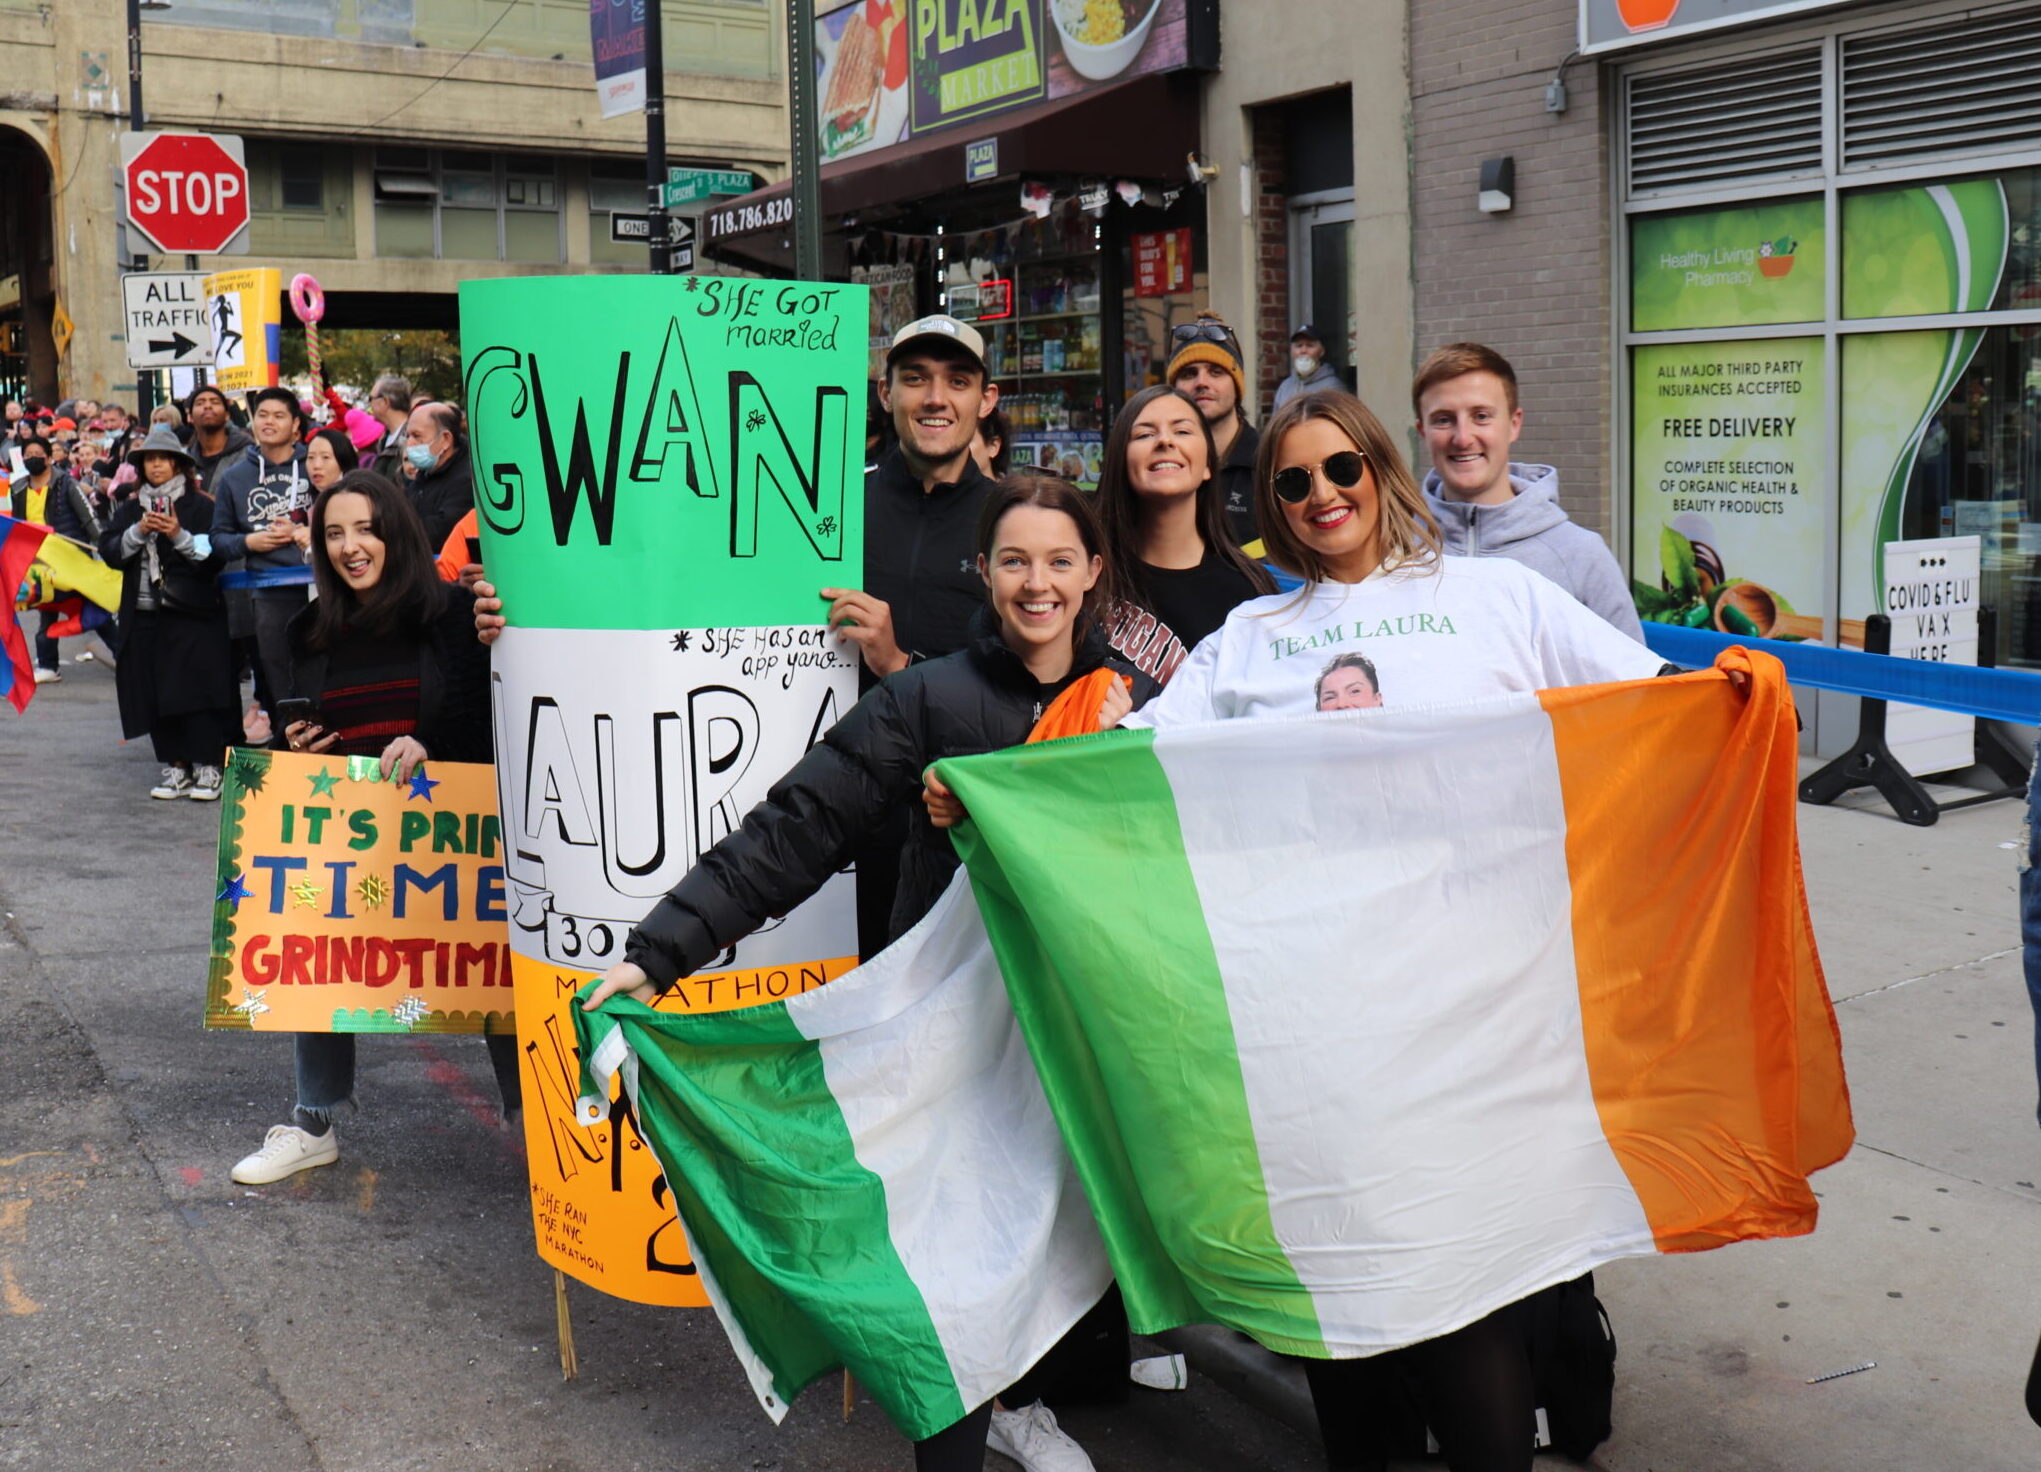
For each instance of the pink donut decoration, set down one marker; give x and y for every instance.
(308, 302)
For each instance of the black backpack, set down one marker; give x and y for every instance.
(1573, 1377)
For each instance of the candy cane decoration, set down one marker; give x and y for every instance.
(308, 305)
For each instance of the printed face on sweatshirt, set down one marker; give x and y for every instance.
(1348, 683)
(1469, 426)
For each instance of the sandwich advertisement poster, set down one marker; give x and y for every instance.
(890, 70)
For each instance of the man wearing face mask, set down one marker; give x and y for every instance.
(1309, 372)
(45, 493)
(442, 482)
(261, 501)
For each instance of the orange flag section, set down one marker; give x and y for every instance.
(1716, 1063)
(1075, 711)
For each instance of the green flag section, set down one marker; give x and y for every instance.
(868, 1174)
(666, 452)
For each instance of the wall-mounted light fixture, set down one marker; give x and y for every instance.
(1498, 185)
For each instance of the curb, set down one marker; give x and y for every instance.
(1266, 1381)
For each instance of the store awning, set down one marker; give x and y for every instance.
(1142, 129)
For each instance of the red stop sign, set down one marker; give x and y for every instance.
(186, 192)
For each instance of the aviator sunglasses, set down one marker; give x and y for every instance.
(1343, 470)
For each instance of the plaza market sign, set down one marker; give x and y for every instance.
(1608, 24)
(898, 69)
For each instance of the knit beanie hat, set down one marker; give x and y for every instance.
(1203, 350)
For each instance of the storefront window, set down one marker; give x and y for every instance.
(1967, 246)
(1941, 439)
(1033, 290)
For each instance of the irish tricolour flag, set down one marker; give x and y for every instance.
(1342, 1031)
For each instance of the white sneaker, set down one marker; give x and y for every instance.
(176, 782)
(285, 1151)
(47, 677)
(1031, 1437)
(205, 785)
(1159, 1372)
(85, 658)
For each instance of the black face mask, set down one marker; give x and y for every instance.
(34, 464)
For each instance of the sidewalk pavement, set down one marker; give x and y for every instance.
(387, 1312)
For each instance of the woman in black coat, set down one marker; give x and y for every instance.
(175, 678)
(1040, 552)
(386, 656)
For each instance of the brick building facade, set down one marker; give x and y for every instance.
(1533, 283)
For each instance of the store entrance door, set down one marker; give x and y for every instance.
(1321, 272)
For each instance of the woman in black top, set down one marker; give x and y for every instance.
(1040, 552)
(387, 655)
(1165, 522)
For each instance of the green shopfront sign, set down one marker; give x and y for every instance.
(1744, 267)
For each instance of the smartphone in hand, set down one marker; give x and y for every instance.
(295, 709)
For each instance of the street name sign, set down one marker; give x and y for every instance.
(692, 186)
(166, 317)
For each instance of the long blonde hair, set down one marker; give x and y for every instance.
(1408, 534)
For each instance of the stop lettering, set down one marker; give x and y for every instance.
(186, 192)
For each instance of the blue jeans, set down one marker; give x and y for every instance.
(325, 1064)
(2030, 905)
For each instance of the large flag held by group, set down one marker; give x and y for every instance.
(1352, 1029)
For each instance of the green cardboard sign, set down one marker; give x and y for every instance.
(1740, 267)
(666, 452)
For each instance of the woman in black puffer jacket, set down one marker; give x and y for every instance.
(1042, 556)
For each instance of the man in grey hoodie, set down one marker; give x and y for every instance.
(1489, 506)
(259, 513)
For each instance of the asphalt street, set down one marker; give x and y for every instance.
(389, 1312)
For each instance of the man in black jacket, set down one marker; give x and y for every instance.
(443, 489)
(921, 584)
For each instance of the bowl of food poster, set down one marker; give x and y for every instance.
(1102, 37)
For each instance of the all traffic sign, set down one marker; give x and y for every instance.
(187, 193)
(167, 324)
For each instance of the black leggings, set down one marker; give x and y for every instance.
(1473, 1385)
(957, 1448)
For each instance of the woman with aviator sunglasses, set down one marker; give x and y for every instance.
(1339, 508)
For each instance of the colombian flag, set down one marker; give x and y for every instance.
(1342, 1030)
(19, 543)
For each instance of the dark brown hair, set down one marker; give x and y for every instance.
(1053, 494)
(1405, 528)
(1119, 504)
(408, 596)
(1456, 360)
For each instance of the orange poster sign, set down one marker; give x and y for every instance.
(348, 902)
(600, 1206)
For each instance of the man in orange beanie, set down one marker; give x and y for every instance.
(1205, 367)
